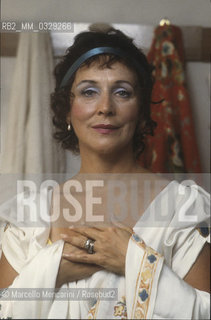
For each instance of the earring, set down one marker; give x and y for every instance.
(69, 127)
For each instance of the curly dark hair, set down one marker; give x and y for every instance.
(60, 98)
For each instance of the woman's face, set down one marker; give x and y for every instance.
(104, 108)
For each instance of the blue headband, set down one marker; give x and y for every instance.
(91, 53)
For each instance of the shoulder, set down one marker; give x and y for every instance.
(192, 204)
(26, 209)
(189, 229)
(24, 219)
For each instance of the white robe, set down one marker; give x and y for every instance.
(160, 253)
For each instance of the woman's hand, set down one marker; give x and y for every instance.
(72, 271)
(110, 247)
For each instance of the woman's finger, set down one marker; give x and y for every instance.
(90, 233)
(75, 239)
(122, 226)
(82, 257)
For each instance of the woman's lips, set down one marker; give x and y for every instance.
(105, 128)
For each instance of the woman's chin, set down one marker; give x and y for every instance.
(110, 151)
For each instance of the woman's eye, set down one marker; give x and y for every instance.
(89, 92)
(123, 93)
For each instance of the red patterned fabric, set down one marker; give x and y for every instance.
(173, 147)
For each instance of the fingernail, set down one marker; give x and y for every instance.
(63, 235)
(67, 256)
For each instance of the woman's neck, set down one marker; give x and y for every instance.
(104, 163)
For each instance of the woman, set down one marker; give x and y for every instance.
(160, 268)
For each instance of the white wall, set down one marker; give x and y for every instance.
(198, 79)
(180, 12)
(7, 67)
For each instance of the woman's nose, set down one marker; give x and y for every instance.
(106, 105)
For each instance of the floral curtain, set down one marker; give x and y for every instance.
(173, 147)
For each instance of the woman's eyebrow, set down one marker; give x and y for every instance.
(95, 82)
(86, 81)
(125, 81)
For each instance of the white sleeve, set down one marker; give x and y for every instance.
(178, 300)
(40, 272)
(188, 231)
(37, 263)
(21, 240)
(153, 290)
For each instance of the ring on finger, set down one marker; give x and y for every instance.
(89, 246)
(87, 243)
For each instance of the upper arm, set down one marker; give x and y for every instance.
(8, 274)
(199, 275)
